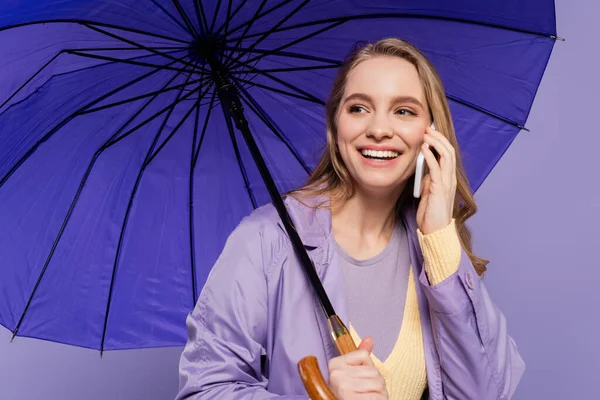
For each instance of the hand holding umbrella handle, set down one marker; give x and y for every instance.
(311, 375)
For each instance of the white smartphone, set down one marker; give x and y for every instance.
(420, 172)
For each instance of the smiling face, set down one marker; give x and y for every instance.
(381, 123)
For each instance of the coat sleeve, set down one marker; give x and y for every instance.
(227, 329)
(479, 360)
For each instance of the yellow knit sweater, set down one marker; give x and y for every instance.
(404, 369)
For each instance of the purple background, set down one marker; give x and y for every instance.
(538, 219)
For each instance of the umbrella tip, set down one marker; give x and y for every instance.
(557, 38)
(524, 128)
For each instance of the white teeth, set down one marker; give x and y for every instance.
(379, 154)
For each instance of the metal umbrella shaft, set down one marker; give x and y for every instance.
(308, 367)
(230, 98)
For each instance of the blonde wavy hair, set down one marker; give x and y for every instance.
(331, 177)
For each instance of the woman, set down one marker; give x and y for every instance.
(398, 270)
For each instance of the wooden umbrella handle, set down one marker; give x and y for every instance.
(311, 375)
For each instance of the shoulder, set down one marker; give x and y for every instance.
(263, 222)
(260, 233)
(263, 227)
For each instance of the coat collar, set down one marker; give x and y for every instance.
(311, 218)
(313, 223)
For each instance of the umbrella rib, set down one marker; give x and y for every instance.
(279, 91)
(270, 31)
(228, 17)
(185, 18)
(127, 61)
(88, 22)
(132, 30)
(180, 48)
(72, 208)
(173, 132)
(201, 18)
(48, 63)
(164, 143)
(68, 72)
(288, 54)
(68, 119)
(141, 46)
(401, 16)
(291, 69)
(31, 78)
(132, 99)
(289, 85)
(301, 39)
(258, 110)
(249, 25)
(237, 155)
(255, 18)
(238, 8)
(214, 18)
(197, 110)
(212, 101)
(164, 10)
(152, 118)
(484, 111)
(296, 41)
(126, 220)
(191, 203)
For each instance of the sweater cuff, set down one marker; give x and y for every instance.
(441, 253)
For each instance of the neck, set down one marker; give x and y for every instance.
(366, 216)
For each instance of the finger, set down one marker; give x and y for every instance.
(450, 150)
(353, 372)
(368, 385)
(447, 161)
(362, 372)
(367, 344)
(358, 357)
(437, 144)
(354, 358)
(443, 139)
(433, 165)
(350, 388)
(425, 187)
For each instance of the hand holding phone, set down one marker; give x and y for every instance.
(420, 171)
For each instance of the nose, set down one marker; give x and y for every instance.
(380, 128)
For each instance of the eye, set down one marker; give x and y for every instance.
(404, 111)
(354, 109)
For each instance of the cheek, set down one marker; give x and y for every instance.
(348, 129)
(413, 136)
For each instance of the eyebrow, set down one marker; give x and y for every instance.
(397, 99)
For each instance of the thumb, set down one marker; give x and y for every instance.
(366, 344)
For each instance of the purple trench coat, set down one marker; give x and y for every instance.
(257, 316)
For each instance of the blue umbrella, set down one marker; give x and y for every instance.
(132, 134)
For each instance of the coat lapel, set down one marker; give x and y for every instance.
(314, 227)
(330, 274)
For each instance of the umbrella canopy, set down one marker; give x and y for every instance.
(122, 173)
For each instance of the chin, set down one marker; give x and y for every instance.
(381, 188)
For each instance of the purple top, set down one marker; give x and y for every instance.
(376, 291)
